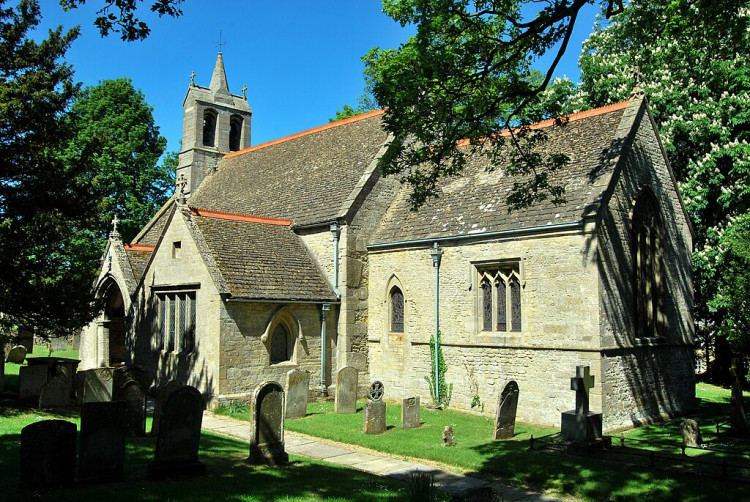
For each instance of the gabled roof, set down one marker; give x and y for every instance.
(262, 261)
(307, 177)
(475, 201)
(151, 232)
(138, 260)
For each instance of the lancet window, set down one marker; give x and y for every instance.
(500, 298)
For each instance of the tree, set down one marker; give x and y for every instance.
(114, 119)
(690, 58)
(119, 16)
(45, 202)
(468, 74)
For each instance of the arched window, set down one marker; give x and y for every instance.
(280, 345)
(500, 297)
(209, 128)
(235, 133)
(397, 310)
(647, 266)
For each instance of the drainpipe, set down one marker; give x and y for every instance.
(324, 309)
(336, 231)
(436, 252)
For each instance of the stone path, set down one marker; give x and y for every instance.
(370, 461)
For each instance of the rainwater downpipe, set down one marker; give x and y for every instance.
(436, 252)
(336, 231)
(324, 309)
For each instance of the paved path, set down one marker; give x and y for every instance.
(369, 461)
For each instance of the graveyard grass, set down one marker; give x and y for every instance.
(590, 477)
(228, 476)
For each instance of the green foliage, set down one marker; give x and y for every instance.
(690, 58)
(114, 119)
(445, 391)
(123, 18)
(467, 74)
(46, 202)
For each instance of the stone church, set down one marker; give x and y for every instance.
(296, 253)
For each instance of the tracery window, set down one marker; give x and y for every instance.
(235, 133)
(176, 321)
(209, 128)
(500, 297)
(647, 266)
(397, 310)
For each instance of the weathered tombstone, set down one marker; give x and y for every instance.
(179, 435)
(131, 373)
(267, 425)
(505, 421)
(162, 392)
(97, 385)
(48, 454)
(102, 450)
(26, 338)
(346, 390)
(691, 433)
(17, 354)
(449, 437)
(374, 413)
(297, 386)
(410, 412)
(30, 381)
(58, 344)
(55, 393)
(581, 424)
(738, 421)
(135, 408)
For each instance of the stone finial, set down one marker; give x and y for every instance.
(114, 234)
(181, 183)
(244, 92)
(192, 79)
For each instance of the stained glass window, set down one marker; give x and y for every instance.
(502, 306)
(397, 311)
(176, 313)
(170, 336)
(486, 305)
(515, 304)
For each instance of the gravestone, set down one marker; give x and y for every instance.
(30, 381)
(581, 424)
(17, 354)
(297, 386)
(346, 390)
(58, 344)
(102, 451)
(374, 413)
(56, 392)
(410, 412)
(25, 337)
(505, 421)
(179, 435)
(449, 437)
(97, 385)
(48, 455)
(135, 408)
(267, 425)
(162, 392)
(739, 423)
(131, 373)
(691, 433)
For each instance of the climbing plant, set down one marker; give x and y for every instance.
(445, 390)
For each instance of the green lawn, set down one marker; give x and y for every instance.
(229, 478)
(591, 477)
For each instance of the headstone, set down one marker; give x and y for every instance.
(162, 392)
(505, 421)
(58, 344)
(581, 424)
(346, 390)
(410, 412)
(25, 337)
(135, 408)
(131, 373)
(30, 381)
(374, 413)
(76, 342)
(17, 354)
(56, 392)
(48, 454)
(297, 386)
(738, 421)
(691, 433)
(449, 437)
(102, 453)
(179, 435)
(267, 425)
(97, 385)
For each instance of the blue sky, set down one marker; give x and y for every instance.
(300, 59)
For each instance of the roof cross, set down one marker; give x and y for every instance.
(582, 383)
(220, 42)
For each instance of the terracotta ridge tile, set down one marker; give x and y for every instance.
(139, 247)
(324, 127)
(225, 215)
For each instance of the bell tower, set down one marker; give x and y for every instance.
(214, 122)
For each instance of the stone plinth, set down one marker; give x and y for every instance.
(581, 427)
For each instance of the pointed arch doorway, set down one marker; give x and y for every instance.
(111, 330)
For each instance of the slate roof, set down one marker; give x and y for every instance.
(260, 261)
(138, 261)
(475, 201)
(151, 232)
(307, 177)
